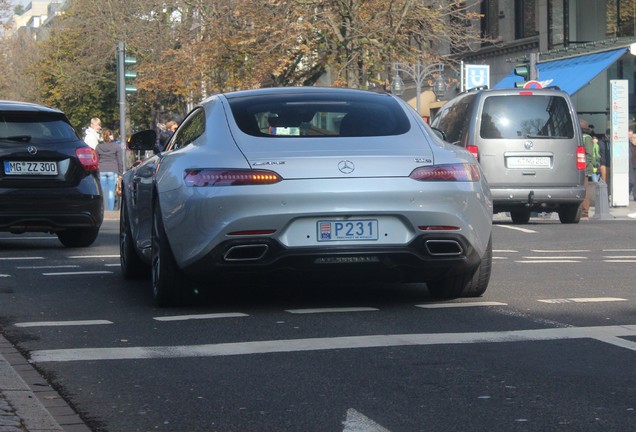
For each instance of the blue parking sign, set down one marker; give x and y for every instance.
(477, 76)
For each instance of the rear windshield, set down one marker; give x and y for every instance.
(28, 126)
(536, 116)
(310, 115)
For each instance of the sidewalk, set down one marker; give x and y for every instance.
(27, 402)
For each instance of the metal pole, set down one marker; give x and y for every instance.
(121, 90)
(418, 87)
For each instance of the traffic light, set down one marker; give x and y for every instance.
(129, 74)
(524, 72)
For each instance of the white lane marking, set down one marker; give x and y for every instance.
(559, 251)
(632, 215)
(556, 257)
(46, 267)
(504, 251)
(620, 256)
(113, 265)
(458, 305)
(20, 258)
(61, 323)
(538, 261)
(619, 261)
(525, 230)
(200, 316)
(93, 256)
(5, 275)
(619, 250)
(584, 300)
(358, 422)
(331, 310)
(77, 273)
(605, 334)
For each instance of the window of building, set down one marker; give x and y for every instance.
(525, 18)
(490, 19)
(620, 18)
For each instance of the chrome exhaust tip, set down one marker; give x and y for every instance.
(253, 252)
(443, 247)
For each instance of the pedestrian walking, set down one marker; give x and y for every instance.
(111, 167)
(92, 135)
(588, 143)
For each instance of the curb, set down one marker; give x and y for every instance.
(32, 402)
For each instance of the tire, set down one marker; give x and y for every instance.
(132, 266)
(471, 284)
(170, 286)
(520, 217)
(78, 237)
(570, 213)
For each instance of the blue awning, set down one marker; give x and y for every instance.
(570, 74)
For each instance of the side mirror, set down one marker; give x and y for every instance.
(142, 141)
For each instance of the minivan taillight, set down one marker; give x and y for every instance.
(581, 161)
(474, 150)
(88, 158)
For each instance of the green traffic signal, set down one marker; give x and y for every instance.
(524, 72)
(129, 74)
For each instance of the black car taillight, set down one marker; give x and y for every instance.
(210, 177)
(88, 158)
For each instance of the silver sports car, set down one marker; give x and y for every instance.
(316, 181)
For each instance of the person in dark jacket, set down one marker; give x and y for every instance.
(111, 167)
(165, 135)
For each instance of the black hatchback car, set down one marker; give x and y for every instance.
(49, 180)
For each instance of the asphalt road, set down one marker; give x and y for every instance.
(550, 346)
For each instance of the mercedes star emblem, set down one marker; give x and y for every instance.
(346, 167)
(528, 145)
(32, 150)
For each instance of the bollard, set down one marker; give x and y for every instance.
(601, 201)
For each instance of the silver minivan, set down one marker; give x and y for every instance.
(529, 145)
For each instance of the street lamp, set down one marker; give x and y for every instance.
(439, 88)
(418, 73)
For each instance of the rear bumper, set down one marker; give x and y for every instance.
(426, 258)
(49, 210)
(535, 199)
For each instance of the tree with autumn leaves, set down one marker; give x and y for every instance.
(189, 49)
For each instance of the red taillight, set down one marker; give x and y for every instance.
(438, 228)
(252, 232)
(88, 158)
(525, 93)
(451, 172)
(208, 177)
(580, 158)
(474, 150)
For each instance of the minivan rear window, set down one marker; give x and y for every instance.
(536, 116)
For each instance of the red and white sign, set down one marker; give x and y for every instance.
(533, 84)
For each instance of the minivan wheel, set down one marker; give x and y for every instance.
(170, 286)
(465, 284)
(520, 217)
(570, 213)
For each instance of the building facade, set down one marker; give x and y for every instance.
(563, 33)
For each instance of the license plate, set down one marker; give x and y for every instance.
(347, 230)
(30, 168)
(528, 161)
